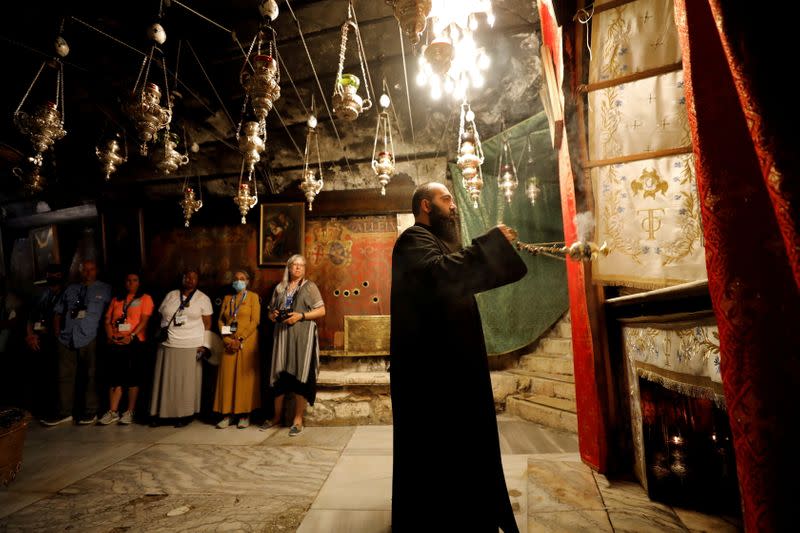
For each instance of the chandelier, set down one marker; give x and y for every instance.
(347, 103)
(311, 184)
(383, 161)
(144, 108)
(470, 154)
(45, 125)
(532, 188)
(452, 61)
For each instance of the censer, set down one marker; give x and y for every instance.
(383, 162)
(347, 103)
(311, 184)
(470, 154)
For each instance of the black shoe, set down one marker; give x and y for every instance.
(183, 421)
(87, 420)
(155, 422)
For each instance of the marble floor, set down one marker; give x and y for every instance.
(328, 479)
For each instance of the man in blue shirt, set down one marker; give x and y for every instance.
(78, 315)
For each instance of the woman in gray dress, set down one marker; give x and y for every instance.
(295, 304)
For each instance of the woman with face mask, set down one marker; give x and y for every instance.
(238, 389)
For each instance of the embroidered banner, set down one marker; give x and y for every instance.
(646, 205)
(682, 356)
(648, 213)
(633, 38)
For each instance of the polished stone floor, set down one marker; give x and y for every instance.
(328, 479)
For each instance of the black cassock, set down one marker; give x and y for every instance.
(447, 473)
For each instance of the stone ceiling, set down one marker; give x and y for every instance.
(100, 72)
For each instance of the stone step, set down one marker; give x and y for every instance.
(555, 346)
(546, 364)
(543, 410)
(553, 385)
(563, 330)
(338, 378)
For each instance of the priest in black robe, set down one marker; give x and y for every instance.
(447, 473)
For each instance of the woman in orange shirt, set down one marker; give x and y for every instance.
(126, 323)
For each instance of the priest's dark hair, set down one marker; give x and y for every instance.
(423, 192)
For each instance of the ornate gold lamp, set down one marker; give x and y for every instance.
(470, 154)
(108, 153)
(261, 77)
(252, 143)
(311, 184)
(347, 104)
(166, 158)
(383, 162)
(245, 199)
(412, 15)
(144, 108)
(189, 204)
(45, 125)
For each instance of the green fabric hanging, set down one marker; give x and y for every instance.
(516, 315)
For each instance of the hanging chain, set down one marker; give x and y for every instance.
(337, 88)
(63, 101)
(30, 88)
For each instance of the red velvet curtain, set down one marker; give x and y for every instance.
(740, 111)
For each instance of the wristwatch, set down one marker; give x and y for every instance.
(304, 317)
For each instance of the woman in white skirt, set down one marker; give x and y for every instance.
(185, 316)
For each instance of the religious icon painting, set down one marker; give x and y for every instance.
(44, 242)
(281, 232)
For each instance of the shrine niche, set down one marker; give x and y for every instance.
(350, 260)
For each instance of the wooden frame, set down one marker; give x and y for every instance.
(281, 232)
(44, 247)
(122, 238)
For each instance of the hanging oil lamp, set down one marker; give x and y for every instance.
(45, 126)
(245, 199)
(347, 104)
(189, 204)
(144, 108)
(251, 144)
(507, 181)
(532, 189)
(108, 153)
(32, 182)
(383, 162)
(470, 154)
(260, 77)
(412, 15)
(311, 184)
(166, 158)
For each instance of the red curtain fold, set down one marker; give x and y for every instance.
(746, 178)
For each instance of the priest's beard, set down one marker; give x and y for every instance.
(445, 226)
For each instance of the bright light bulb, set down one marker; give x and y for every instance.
(490, 19)
(449, 86)
(477, 80)
(473, 23)
(312, 122)
(436, 92)
(422, 79)
(384, 100)
(484, 61)
(469, 116)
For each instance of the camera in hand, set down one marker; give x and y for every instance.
(283, 314)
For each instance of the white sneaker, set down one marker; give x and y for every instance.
(127, 418)
(244, 422)
(225, 422)
(109, 418)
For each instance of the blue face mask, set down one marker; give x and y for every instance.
(239, 285)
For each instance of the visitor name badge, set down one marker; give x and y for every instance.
(124, 327)
(180, 320)
(81, 315)
(226, 330)
(38, 326)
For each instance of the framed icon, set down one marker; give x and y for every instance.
(281, 232)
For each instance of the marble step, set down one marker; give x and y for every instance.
(552, 412)
(552, 385)
(555, 346)
(546, 364)
(338, 378)
(563, 330)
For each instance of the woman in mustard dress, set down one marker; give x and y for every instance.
(238, 389)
